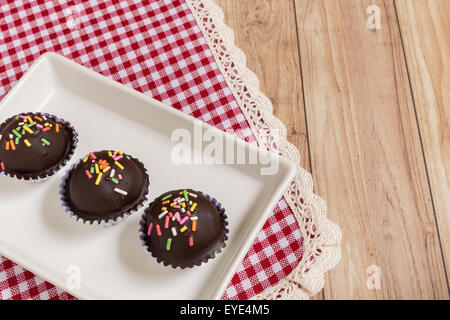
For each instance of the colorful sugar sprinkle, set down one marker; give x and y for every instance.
(169, 243)
(99, 178)
(102, 166)
(45, 141)
(120, 191)
(28, 130)
(180, 214)
(166, 223)
(162, 214)
(167, 197)
(16, 133)
(158, 230)
(119, 165)
(176, 217)
(182, 221)
(88, 174)
(150, 227)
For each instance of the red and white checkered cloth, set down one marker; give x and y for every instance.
(157, 48)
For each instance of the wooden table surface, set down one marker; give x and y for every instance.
(369, 110)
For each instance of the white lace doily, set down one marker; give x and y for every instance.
(322, 238)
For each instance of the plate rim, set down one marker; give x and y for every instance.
(277, 194)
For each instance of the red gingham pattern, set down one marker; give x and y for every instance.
(157, 48)
(17, 283)
(274, 253)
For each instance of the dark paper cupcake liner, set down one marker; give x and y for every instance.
(136, 209)
(33, 177)
(143, 235)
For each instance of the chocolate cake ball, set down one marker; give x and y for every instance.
(183, 228)
(104, 186)
(35, 145)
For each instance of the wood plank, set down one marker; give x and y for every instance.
(266, 32)
(366, 153)
(425, 26)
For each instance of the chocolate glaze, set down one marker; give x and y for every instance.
(36, 160)
(208, 238)
(93, 202)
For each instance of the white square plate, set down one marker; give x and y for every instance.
(36, 232)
